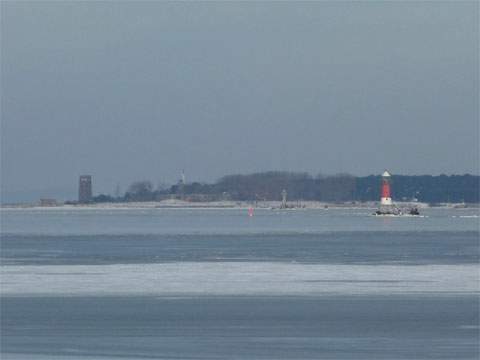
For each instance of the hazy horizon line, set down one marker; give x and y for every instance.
(70, 192)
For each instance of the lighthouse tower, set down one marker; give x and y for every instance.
(386, 199)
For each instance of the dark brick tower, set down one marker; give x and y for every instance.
(85, 189)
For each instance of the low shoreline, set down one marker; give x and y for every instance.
(179, 204)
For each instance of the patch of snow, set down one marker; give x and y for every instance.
(244, 278)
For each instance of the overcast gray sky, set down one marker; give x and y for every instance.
(130, 90)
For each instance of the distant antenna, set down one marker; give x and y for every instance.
(181, 186)
(117, 191)
(284, 199)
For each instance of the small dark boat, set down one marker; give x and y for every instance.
(413, 211)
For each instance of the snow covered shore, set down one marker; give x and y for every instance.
(173, 203)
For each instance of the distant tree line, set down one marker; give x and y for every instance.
(303, 186)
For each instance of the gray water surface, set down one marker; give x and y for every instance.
(216, 284)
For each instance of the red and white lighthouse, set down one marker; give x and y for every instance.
(386, 193)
